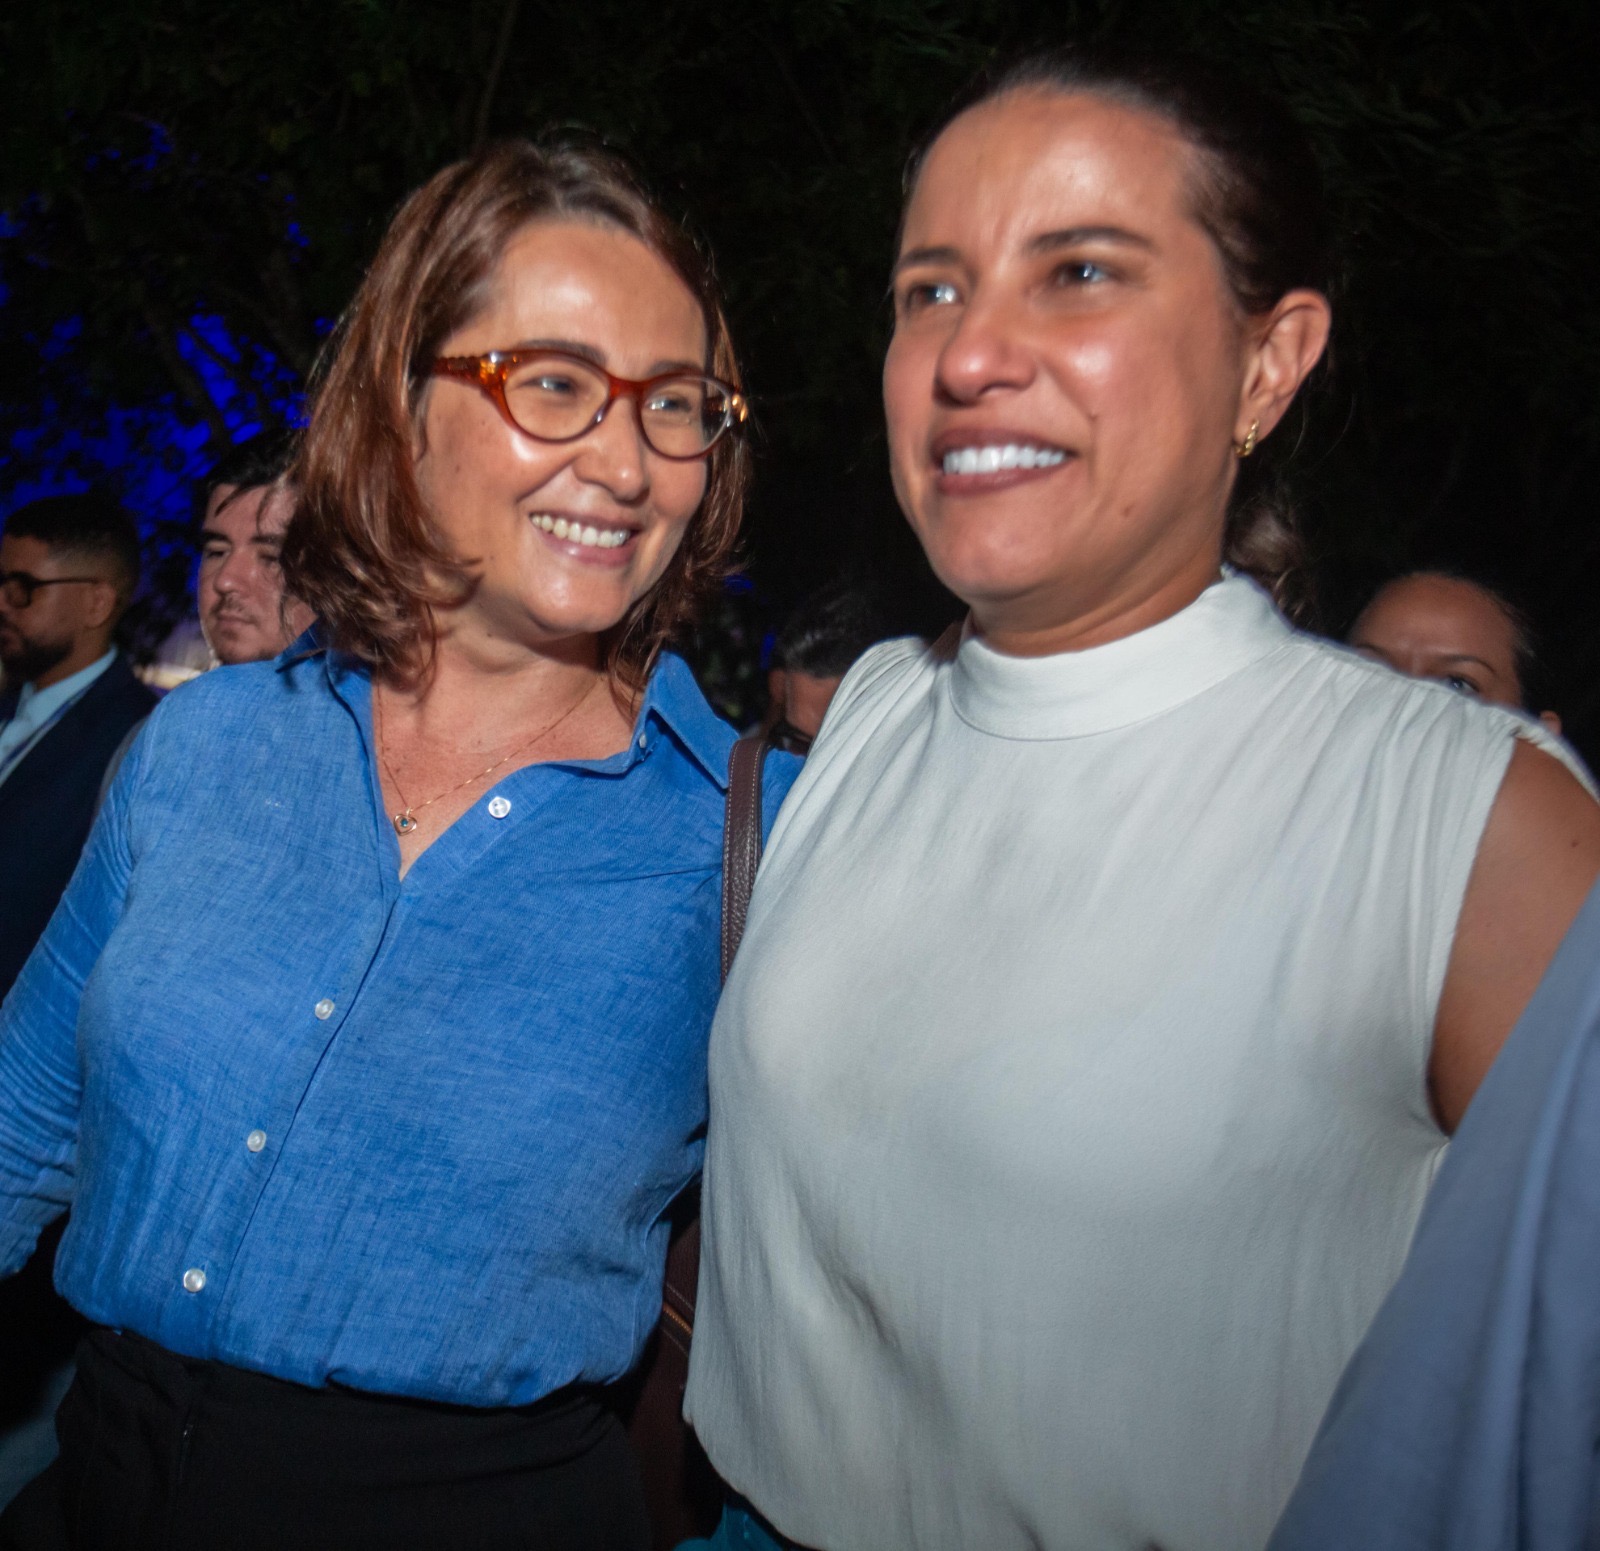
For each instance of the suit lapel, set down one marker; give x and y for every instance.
(64, 742)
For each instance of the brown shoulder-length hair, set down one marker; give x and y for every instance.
(362, 548)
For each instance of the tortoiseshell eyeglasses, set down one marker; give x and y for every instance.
(556, 396)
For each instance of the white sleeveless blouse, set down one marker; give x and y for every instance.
(1069, 1116)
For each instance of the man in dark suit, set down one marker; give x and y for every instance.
(68, 567)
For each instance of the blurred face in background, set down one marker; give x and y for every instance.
(67, 625)
(1447, 629)
(239, 592)
(801, 698)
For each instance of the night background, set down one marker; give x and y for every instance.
(191, 191)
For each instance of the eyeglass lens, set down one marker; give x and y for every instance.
(556, 398)
(18, 587)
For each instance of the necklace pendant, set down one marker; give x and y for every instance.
(404, 823)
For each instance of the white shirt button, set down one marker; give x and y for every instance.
(499, 807)
(194, 1280)
(643, 741)
(324, 1008)
(256, 1141)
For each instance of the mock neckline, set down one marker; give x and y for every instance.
(1231, 625)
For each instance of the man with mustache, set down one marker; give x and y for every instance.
(244, 614)
(239, 591)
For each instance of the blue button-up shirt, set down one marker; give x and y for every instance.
(413, 1135)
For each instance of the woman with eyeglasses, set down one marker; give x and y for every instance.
(368, 1046)
(1120, 964)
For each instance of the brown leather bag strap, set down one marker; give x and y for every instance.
(684, 1496)
(741, 839)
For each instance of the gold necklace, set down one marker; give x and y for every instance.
(406, 820)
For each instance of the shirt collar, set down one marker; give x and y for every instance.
(42, 703)
(672, 700)
(309, 643)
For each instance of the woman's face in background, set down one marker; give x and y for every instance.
(499, 497)
(1065, 376)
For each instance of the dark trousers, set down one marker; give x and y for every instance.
(164, 1453)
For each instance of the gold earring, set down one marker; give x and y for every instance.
(1248, 445)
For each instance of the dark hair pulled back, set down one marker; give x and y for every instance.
(1257, 194)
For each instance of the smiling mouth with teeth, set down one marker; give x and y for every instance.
(991, 460)
(578, 533)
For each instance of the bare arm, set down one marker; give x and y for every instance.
(1538, 859)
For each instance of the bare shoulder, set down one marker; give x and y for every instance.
(1541, 808)
(1537, 861)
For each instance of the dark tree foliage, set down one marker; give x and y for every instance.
(174, 159)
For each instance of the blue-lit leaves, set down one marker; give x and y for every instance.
(61, 338)
(59, 434)
(247, 383)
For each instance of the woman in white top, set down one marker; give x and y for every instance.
(1118, 971)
